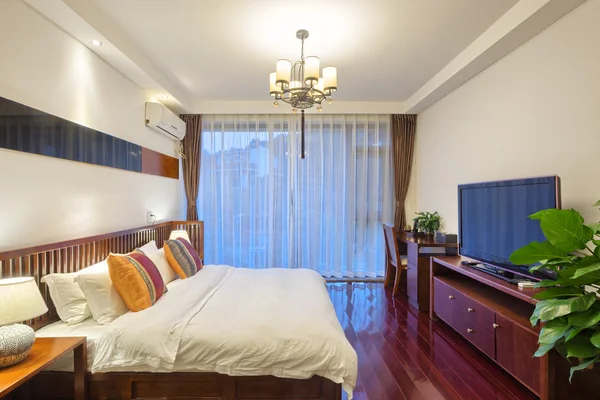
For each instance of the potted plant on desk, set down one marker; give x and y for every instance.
(570, 311)
(428, 222)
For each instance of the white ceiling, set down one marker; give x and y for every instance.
(224, 50)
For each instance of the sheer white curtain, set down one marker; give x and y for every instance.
(265, 207)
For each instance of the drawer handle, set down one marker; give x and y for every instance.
(470, 309)
(495, 326)
(451, 297)
(470, 330)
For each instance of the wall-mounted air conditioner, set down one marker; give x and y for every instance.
(158, 117)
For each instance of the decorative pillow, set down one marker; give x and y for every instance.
(159, 259)
(103, 299)
(69, 301)
(182, 257)
(137, 279)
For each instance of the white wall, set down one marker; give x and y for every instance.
(536, 112)
(43, 200)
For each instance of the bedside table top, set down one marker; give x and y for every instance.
(45, 350)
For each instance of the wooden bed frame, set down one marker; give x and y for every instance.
(74, 255)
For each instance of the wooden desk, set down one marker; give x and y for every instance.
(418, 271)
(44, 352)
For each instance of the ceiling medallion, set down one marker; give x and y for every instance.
(301, 85)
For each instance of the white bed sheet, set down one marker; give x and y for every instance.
(88, 328)
(261, 322)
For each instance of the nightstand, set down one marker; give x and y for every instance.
(46, 350)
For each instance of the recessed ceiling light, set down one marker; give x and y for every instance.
(96, 43)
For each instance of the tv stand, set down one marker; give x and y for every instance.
(493, 315)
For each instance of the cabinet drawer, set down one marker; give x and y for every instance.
(445, 294)
(474, 333)
(474, 311)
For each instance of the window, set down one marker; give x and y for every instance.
(265, 207)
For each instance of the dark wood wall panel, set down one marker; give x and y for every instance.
(155, 163)
(26, 129)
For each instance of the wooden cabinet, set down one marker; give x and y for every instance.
(499, 326)
(515, 346)
(491, 320)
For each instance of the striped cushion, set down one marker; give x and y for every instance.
(182, 257)
(136, 279)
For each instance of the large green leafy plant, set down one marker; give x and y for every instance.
(570, 312)
(428, 222)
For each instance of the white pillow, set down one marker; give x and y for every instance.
(103, 299)
(70, 302)
(159, 259)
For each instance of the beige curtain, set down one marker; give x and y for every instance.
(192, 148)
(404, 127)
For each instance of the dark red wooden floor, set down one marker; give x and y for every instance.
(404, 355)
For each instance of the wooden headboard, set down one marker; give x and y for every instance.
(74, 255)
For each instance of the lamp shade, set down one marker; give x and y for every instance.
(20, 300)
(273, 88)
(311, 69)
(179, 234)
(283, 72)
(330, 78)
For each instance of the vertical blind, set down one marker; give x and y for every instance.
(264, 207)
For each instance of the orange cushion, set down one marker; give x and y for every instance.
(136, 279)
(182, 257)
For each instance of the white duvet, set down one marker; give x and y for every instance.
(235, 321)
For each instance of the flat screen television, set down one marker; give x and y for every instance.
(493, 217)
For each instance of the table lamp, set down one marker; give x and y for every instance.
(20, 300)
(180, 234)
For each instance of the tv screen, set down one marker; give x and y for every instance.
(493, 217)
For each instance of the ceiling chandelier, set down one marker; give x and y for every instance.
(301, 85)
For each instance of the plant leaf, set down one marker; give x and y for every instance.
(553, 330)
(595, 339)
(554, 308)
(581, 347)
(547, 283)
(597, 204)
(571, 333)
(535, 252)
(543, 349)
(582, 365)
(594, 227)
(587, 270)
(565, 276)
(564, 229)
(585, 319)
(559, 292)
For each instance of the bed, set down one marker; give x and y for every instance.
(280, 338)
